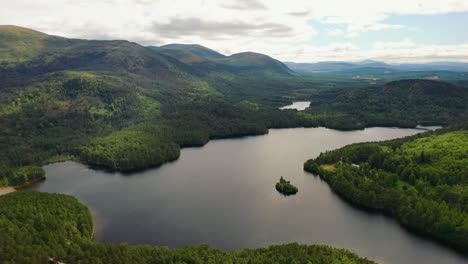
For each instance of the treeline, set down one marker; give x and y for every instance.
(421, 180)
(121, 106)
(38, 227)
(100, 120)
(35, 226)
(20, 176)
(404, 103)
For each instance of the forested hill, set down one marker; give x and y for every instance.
(421, 180)
(207, 60)
(120, 106)
(36, 227)
(399, 103)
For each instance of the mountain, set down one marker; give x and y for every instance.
(208, 60)
(337, 66)
(319, 67)
(256, 62)
(21, 44)
(194, 49)
(434, 66)
(121, 106)
(118, 105)
(334, 66)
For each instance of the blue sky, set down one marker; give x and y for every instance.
(293, 30)
(438, 29)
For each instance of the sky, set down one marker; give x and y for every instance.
(394, 31)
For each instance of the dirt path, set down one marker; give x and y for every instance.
(5, 190)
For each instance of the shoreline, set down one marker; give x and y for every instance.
(6, 190)
(29, 184)
(65, 158)
(102, 168)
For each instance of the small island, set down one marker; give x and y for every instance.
(285, 187)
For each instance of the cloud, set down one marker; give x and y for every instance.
(180, 27)
(336, 32)
(405, 51)
(356, 30)
(282, 29)
(302, 13)
(245, 5)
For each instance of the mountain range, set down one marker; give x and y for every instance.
(338, 66)
(117, 105)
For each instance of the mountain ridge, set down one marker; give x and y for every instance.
(339, 66)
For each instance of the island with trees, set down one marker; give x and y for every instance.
(285, 187)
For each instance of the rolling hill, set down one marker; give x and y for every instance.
(120, 106)
(339, 66)
(207, 60)
(398, 103)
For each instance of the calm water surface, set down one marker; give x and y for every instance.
(299, 106)
(223, 194)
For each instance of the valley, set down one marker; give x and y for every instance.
(179, 146)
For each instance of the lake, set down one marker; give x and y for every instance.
(299, 106)
(223, 194)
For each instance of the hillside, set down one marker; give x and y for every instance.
(20, 44)
(183, 52)
(421, 180)
(399, 103)
(257, 62)
(118, 105)
(208, 60)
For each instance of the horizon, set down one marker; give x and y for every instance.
(299, 31)
(365, 60)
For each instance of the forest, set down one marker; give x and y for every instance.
(120, 106)
(402, 103)
(421, 180)
(38, 227)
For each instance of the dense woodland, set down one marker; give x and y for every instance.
(36, 227)
(421, 180)
(120, 106)
(403, 103)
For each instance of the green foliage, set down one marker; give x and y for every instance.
(35, 226)
(285, 187)
(404, 103)
(18, 44)
(128, 150)
(38, 226)
(20, 176)
(121, 106)
(421, 180)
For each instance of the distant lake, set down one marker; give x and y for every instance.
(223, 194)
(299, 106)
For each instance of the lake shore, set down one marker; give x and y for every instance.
(6, 190)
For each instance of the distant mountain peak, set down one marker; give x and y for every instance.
(196, 49)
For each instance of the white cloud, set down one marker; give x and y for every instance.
(405, 51)
(336, 32)
(354, 30)
(277, 28)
